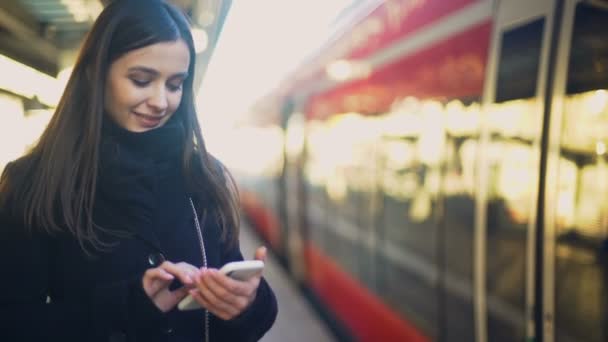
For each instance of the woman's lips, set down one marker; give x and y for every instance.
(148, 121)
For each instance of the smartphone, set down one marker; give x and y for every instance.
(242, 270)
(239, 270)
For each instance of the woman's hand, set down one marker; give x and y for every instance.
(156, 283)
(223, 296)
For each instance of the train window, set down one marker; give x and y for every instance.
(455, 228)
(513, 156)
(316, 173)
(409, 165)
(588, 68)
(519, 61)
(582, 197)
(340, 176)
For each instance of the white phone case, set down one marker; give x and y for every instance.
(240, 270)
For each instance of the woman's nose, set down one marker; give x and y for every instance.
(158, 100)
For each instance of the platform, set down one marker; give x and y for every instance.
(297, 320)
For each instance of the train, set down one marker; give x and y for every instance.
(437, 171)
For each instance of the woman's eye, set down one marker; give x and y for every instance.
(140, 83)
(175, 87)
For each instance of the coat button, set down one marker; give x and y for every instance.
(168, 330)
(155, 259)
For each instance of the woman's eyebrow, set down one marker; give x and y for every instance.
(182, 75)
(154, 72)
(144, 69)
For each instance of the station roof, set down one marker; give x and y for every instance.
(36, 32)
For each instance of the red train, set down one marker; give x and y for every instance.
(438, 172)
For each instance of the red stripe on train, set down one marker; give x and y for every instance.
(263, 220)
(363, 313)
(398, 19)
(451, 68)
(391, 21)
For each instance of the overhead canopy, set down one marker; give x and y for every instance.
(36, 32)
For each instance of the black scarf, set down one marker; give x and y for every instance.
(131, 165)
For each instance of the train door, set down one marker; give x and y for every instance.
(295, 193)
(509, 170)
(283, 187)
(575, 250)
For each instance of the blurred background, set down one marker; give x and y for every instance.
(422, 170)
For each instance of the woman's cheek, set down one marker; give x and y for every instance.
(176, 100)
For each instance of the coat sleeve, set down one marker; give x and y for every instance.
(29, 311)
(257, 319)
(24, 309)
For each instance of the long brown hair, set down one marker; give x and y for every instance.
(53, 186)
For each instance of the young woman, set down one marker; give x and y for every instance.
(119, 212)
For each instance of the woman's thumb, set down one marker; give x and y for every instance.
(260, 254)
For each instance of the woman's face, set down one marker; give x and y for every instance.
(144, 86)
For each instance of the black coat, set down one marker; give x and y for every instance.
(52, 291)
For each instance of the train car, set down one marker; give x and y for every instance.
(437, 171)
